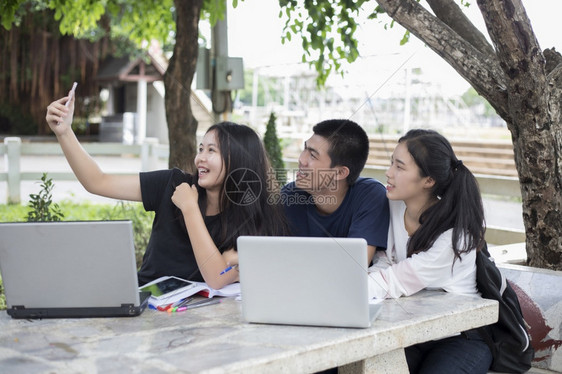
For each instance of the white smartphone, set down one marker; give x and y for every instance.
(71, 94)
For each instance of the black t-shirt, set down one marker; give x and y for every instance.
(169, 250)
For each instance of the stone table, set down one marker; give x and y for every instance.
(215, 339)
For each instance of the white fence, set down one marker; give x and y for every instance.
(150, 152)
(13, 148)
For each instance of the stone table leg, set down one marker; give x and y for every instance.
(392, 362)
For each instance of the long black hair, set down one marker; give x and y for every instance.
(245, 202)
(458, 201)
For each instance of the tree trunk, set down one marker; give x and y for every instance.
(534, 108)
(515, 81)
(182, 125)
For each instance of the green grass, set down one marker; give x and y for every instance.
(86, 211)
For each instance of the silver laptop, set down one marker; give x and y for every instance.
(70, 269)
(305, 281)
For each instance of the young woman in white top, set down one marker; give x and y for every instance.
(436, 227)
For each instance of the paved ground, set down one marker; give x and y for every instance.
(500, 213)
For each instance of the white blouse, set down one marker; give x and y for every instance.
(394, 275)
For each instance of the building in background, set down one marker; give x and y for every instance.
(133, 94)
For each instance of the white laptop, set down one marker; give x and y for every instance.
(305, 281)
(70, 269)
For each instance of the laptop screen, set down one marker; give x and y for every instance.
(304, 281)
(83, 264)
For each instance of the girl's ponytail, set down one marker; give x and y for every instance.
(467, 208)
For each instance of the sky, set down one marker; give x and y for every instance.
(255, 30)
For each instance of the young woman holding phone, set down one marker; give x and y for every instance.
(197, 220)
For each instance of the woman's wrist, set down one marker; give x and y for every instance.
(68, 133)
(190, 210)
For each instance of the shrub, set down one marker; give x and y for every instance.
(273, 149)
(2, 297)
(41, 204)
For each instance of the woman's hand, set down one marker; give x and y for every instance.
(231, 257)
(185, 198)
(59, 117)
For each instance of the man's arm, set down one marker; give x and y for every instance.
(371, 249)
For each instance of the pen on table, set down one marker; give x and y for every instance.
(164, 308)
(179, 303)
(210, 302)
(182, 302)
(202, 302)
(228, 269)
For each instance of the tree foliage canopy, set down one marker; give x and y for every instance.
(327, 29)
(84, 19)
(137, 20)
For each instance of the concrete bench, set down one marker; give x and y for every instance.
(540, 295)
(513, 254)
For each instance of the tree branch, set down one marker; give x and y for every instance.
(482, 72)
(452, 15)
(517, 47)
(522, 61)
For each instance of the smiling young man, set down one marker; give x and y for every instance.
(328, 197)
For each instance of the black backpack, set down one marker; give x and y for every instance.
(508, 338)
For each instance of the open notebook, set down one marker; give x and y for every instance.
(305, 281)
(70, 269)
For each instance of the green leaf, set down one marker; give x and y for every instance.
(8, 12)
(405, 38)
